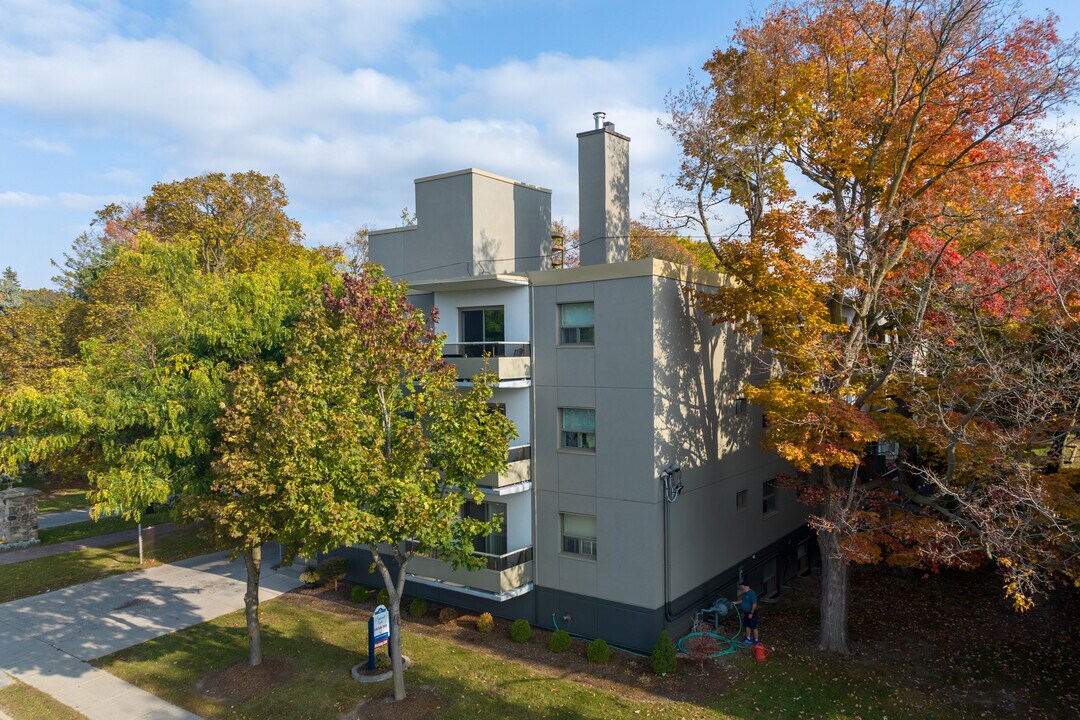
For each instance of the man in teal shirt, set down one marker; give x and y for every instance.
(750, 612)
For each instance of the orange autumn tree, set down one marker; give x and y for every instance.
(880, 180)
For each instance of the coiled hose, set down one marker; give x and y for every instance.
(728, 645)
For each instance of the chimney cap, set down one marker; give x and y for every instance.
(598, 118)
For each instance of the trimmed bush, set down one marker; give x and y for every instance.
(359, 594)
(383, 597)
(598, 651)
(520, 631)
(448, 615)
(333, 569)
(559, 641)
(663, 655)
(309, 575)
(418, 608)
(485, 623)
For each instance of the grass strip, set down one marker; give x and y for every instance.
(101, 526)
(62, 500)
(33, 577)
(23, 702)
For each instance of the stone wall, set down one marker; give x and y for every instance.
(18, 515)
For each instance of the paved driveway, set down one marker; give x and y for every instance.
(46, 640)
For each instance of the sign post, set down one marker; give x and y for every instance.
(378, 633)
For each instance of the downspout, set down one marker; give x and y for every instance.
(532, 438)
(670, 488)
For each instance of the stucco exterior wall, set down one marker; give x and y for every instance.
(468, 223)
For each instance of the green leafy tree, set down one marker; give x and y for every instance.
(367, 416)
(93, 252)
(10, 291)
(234, 221)
(162, 326)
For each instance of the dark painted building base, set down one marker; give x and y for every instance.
(622, 625)
(637, 628)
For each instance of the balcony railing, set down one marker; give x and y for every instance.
(486, 349)
(500, 573)
(518, 469)
(493, 562)
(509, 361)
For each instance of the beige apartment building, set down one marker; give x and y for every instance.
(637, 490)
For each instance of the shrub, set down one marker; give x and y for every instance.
(382, 662)
(333, 569)
(520, 631)
(447, 615)
(663, 655)
(383, 597)
(485, 623)
(309, 575)
(418, 608)
(359, 594)
(598, 651)
(559, 641)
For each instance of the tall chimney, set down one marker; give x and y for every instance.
(604, 194)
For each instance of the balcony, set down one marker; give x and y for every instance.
(518, 469)
(501, 573)
(508, 360)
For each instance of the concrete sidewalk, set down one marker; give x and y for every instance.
(46, 640)
(58, 519)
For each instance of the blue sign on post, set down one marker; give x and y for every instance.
(378, 630)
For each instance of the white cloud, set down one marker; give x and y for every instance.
(49, 146)
(269, 32)
(161, 87)
(42, 23)
(18, 199)
(64, 200)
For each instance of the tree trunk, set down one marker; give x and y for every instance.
(253, 562)
(835, 591)
(395, 647)
(140, 545)
(394, 589)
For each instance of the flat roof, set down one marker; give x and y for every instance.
(473, 282)
(483, 173)
(644, 267)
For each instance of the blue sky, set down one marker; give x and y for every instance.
(347, 101)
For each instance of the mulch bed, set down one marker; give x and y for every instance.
(242, 681)
(420, 703)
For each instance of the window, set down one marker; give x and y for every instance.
(768, 497)
(576, 323)
(741, 500)
(482, 331)
(494, 543)
(742, 406)
(578, 428)
(769, 581)
(802, 552)
(579, 534)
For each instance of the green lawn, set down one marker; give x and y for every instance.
(23, 702)
(33, 577)
(61, 500)
(322, 647)
(101, 526)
